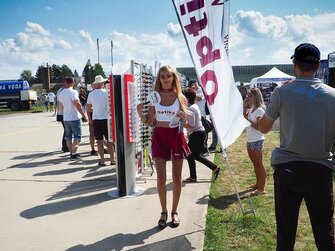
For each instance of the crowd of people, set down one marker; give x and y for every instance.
(73, 108)
(303, 162)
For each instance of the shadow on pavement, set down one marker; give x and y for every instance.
(64, 206)
(86, 186)
(119, 241)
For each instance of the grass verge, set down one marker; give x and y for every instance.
(226, 227)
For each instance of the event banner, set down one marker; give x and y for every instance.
(205, 25)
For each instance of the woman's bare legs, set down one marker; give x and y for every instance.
(177, 166)
(161, 182)
(256, 158)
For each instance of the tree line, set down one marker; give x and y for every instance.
(58, 73)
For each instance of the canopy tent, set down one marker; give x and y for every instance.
(272, 76)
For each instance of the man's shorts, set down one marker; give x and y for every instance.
(256, 145)
(100, 129)
(73, 130)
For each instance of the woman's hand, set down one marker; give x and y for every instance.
(139, 108)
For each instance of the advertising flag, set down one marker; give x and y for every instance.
(205, 25)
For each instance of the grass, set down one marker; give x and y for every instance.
(226, 227)
(34, 109)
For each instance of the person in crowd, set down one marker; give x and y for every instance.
(45, 102)
(72, 115)
(168, 143)
(196, 137)
(243, 91)
(255, 139)
(60, 116)
(98, 100)
(91, 129)
(212, 147)
(304, 161)
(201, 103)
(83, 98)
(51, 100)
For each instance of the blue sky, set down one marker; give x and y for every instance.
(65, 32)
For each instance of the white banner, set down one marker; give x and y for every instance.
(205, 24)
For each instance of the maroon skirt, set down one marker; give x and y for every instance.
(169, 144)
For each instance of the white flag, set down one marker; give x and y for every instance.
(205, 24)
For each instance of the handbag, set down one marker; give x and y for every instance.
(207, 125)
(59, 117)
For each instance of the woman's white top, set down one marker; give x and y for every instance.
(252, 133)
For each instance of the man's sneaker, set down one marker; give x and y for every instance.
(74, 156)
(94, 153)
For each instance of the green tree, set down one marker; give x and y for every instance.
(98, 70)
(66, 71)
(27, 75)
(39, 75)
(56, 74)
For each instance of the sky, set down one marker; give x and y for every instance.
(33, 32)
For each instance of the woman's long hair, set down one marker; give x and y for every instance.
(258, 97)
(175, 84)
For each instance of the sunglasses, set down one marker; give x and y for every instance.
(165, 76)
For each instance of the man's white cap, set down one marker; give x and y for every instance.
(99, 79)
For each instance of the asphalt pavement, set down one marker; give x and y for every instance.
(49, 202)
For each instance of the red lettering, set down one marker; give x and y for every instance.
(210, 55)
(195, 26)
(210, 76)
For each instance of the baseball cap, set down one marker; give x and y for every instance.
(307, 53)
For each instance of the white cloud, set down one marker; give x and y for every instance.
(271, 39)
(254, 39)
(37, 29)
(174, 29)
(48, 8)
(86, 37)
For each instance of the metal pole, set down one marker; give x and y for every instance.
(98, 50)
(112, 52)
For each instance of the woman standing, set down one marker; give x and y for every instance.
(167, 143)
(196, 138)
(255, 139)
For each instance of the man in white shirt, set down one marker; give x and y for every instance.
(97, 99)
(72, 114)
(51, 99)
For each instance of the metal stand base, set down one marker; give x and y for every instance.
(114, 193)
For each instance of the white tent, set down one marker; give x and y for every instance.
(272, 76)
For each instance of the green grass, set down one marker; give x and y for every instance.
(226, 227)
(7, 111)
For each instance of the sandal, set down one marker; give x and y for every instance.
(175, 220)
(216, 172)
(190, 180)
(162, 222)
(257, 192)
(113, 163)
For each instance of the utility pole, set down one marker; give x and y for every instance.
(112, 52)
(98, 50)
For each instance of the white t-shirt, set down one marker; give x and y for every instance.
(66, 97)
(51, 97)
(194, 119)
(98, 99)
(201, 103)
(252, 133)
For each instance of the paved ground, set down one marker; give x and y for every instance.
(51, 203)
